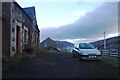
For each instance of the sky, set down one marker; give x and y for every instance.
(75, 21)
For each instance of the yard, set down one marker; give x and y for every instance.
(49, 64)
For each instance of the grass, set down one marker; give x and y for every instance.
(7, 62)
(100, 66)
(111, 60)
(41, 52)
(15, 60)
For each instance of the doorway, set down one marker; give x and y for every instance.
(17, 39)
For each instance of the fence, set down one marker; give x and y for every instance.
(109, 53)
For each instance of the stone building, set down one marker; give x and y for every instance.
(35, 31)
(17, 30)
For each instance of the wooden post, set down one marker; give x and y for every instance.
(104, 41)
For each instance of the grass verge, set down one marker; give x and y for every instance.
(111, 60)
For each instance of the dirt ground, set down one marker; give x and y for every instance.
(58, 65)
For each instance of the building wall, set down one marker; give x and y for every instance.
(34, 29)
(0, 40)
(27, 23)
(15, 22)
(38, 39)
(19, 31)
(16, 28)
(35, 37)
(6, 28)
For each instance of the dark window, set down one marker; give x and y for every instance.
(13, 20)
(13, 30)
(86, 46)
(13, 39)
(12, 10)
(13, 48)
(25, 36)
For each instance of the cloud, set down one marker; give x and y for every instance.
(90, 26)
(80, 13)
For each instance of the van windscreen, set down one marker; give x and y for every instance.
(86, 46)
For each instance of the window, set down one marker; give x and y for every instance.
(25, 35)
(13, 30)
(13, 20)
(13, 48)
(33, 37)
(18, 12)
(12, 10)
(13, 39)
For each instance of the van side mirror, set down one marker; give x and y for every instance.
(96, 47)
(76, 48)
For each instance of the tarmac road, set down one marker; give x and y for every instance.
(59, 65)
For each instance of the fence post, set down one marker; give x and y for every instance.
(101, 52)
(108, 53)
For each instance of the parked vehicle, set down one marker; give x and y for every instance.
(86, 51)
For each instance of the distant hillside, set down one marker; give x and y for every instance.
(65, 43)
(111, 43)
(51, 43)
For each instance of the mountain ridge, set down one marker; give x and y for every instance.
(111, 43)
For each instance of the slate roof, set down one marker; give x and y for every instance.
(55, 44)
(49, 42)
(31, 12)
(22, 9)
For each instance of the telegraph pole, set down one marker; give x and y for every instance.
(104, 41)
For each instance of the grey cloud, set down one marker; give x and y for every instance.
(103, 18)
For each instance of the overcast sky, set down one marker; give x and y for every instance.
(76, 21)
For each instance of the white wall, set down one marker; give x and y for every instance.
(13, 35)
(12, 43)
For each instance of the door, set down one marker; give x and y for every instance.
(17, 39)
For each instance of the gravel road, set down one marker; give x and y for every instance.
(59, 65)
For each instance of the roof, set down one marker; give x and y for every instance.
(31, 12)
(22, 9)
(49, 42)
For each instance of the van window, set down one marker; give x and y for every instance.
(86, 46)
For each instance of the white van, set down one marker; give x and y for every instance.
(86, 51)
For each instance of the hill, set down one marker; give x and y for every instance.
(111, 43)
(65, 43)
